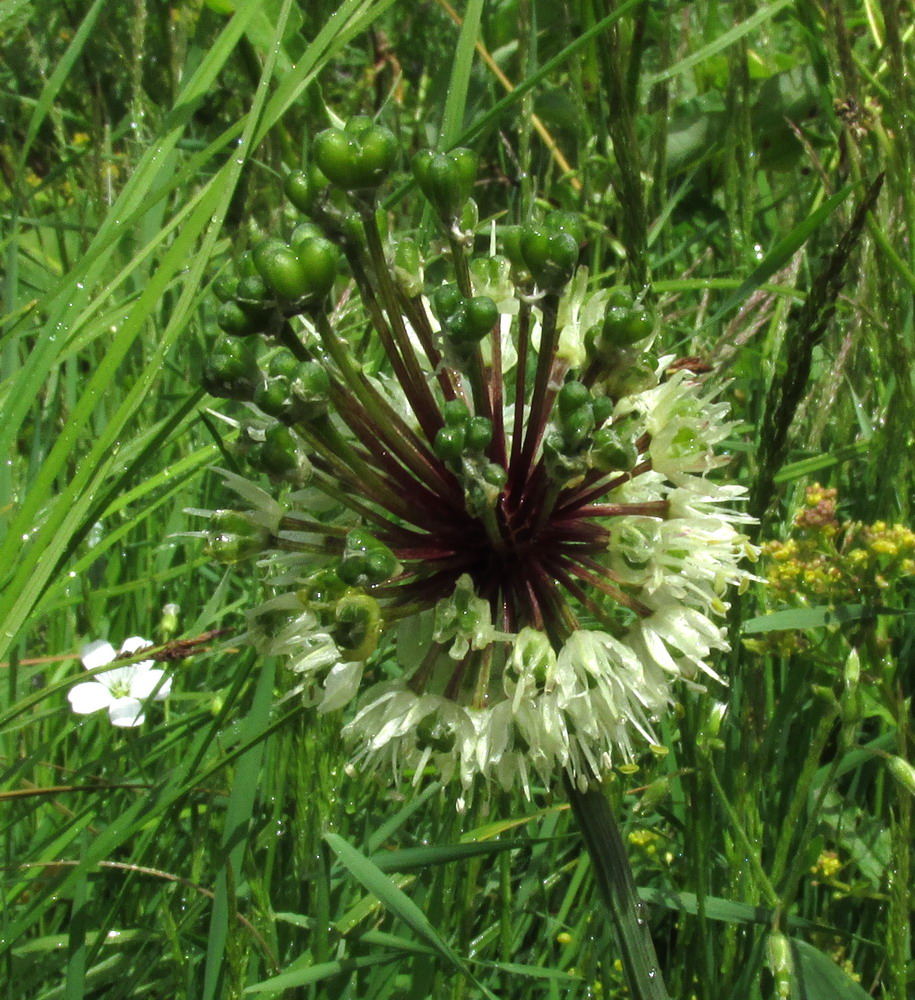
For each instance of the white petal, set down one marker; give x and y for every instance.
(126, 712)
(88, 697)
(144, 681)
(97, 654)
(133, 645)
(341, 685)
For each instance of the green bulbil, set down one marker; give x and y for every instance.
(358, 157)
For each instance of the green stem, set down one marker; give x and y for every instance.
(613, 876)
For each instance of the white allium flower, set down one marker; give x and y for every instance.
(122, 690)
(520, 553)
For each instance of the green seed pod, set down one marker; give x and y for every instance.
(357, 626)
(550, 256)
(624, 326)
(253, 291)
(302, 187)
(603, 409)
(446, 179)
(358, 157)
(282, 457)
(231, 371)
(225, 286)
(281, 269)
(610, 453)
(318, 258)
(273, 397)
(449, 444)
(234, 537)
(566, 222)
(446, 300)
(237, 321)
(572, 396)
(365, 560)
(455, 413)
(479, 433)
(577, 427)
(408, 267)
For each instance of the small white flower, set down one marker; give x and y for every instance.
(122, 690)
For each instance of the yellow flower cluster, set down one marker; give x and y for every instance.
(828, 561)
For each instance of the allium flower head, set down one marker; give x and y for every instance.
(122, 690)
(507, 549)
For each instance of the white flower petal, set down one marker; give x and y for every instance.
(126, 712)
(88, 697)
(97, 654)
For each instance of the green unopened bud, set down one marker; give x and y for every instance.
(778, 954)
(572, 396)
(471, 321)
(625, 326)
(168, 623)
(445, 301)
(577, 427)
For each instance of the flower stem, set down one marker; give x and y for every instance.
(616, 885)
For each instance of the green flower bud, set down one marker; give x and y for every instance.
(305, 231)
(357, 626)
(280, 268)
(446, 179)
(273, 397)
(358, 157)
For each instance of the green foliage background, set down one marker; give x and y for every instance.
(721, 151)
